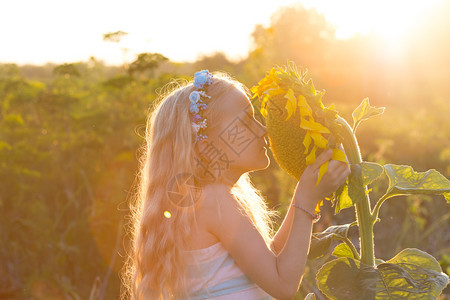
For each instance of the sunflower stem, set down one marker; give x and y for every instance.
(362, 207)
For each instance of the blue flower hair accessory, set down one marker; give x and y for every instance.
(197, 98)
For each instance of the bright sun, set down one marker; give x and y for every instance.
(390, 19)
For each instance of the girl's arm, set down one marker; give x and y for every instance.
(292, 258)
(279, 239)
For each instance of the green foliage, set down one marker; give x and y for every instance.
(404, 180)
(320, 242)
(66, 70)
(411, 274)
(342, 198)
(146, 62)
(354, 190)
(343, 250)
(66, 158)
(364, 111)
(370, 172)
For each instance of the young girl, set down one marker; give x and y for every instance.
(200, 228)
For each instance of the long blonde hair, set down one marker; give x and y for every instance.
(156, 265)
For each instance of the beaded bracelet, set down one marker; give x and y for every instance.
(314, 217)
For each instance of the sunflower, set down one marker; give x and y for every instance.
(299, 127)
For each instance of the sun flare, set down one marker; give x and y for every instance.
(389, 19)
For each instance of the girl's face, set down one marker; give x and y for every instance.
(238, 144)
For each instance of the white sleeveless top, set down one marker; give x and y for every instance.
(213, 274)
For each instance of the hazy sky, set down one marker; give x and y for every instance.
(40, 31)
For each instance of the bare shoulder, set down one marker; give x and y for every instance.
(217, 200)
(213, 197)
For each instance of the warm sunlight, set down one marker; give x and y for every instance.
(175, 32)
(390, 19)
(395, 22)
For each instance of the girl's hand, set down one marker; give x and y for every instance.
(335, 176)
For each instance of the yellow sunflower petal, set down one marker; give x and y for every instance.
(311, 87)
(291, 103)
(275, 91)
(264, 112)
(307, 142)
(305, 109)
(319, 140)
(313, 126)
(263, 85)
(319, 204)
(311, 157)
(338, 154)
(322, 170)
(263, 109)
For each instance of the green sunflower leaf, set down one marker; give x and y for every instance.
(343, 200)
(364, 111)
(403, 180)
(411, 274)
(370, 172)
(347, 278)
(321, 241)
(352, 191)
(343, 250)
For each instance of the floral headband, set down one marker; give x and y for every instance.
(201, 79)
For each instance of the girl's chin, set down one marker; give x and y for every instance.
(263, 163)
